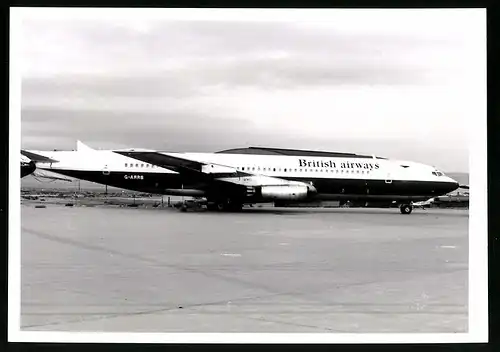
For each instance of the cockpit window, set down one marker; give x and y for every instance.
(437, 173)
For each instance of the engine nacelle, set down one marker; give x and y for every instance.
(285, 192)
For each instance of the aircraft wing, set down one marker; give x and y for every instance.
(206, 171)
(37, 157)
(163, 160)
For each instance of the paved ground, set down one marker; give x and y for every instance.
(262, 270)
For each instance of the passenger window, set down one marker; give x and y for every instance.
(243, 168)
(274, 169)
(136, 165)
(126, 164)
(284, 170)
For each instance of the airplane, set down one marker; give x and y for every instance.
(231, 178)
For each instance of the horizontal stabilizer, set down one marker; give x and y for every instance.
(37, 157)
(50, 176)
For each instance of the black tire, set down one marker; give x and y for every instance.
(235, 206)
(405, 208)
(211, 206)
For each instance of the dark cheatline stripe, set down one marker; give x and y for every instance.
(327, 188)
(370, 187)
(151, 182)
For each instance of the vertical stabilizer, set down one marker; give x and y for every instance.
(80, 147)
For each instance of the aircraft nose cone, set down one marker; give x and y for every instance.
(451, 186)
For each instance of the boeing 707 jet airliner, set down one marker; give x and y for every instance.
(231, 178)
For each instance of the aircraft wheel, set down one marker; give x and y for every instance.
(216, 206)
(225, 206)
(405, 208)
(234, 206)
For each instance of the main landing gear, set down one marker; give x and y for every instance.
(405, 208)
(224, 205)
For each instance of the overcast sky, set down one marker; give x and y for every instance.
(401, 84)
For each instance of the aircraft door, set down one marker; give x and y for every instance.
(388, 178)
(389, 186)
(105, 170)
(389, 175)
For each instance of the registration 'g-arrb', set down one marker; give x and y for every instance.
(231, 178)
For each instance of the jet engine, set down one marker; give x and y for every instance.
(285, 192)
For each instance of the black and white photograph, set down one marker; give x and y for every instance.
(247, 175)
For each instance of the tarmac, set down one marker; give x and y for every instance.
(116, 269)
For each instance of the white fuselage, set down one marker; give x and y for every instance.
(274, 166)
(259, 177)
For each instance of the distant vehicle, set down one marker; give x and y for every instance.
(231, 178)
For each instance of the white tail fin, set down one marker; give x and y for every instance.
(80, 147)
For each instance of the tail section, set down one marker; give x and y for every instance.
(29, 160)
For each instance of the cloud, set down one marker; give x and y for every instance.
(232, 51)
(385, 82)
(53, 128)
(149, 130)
